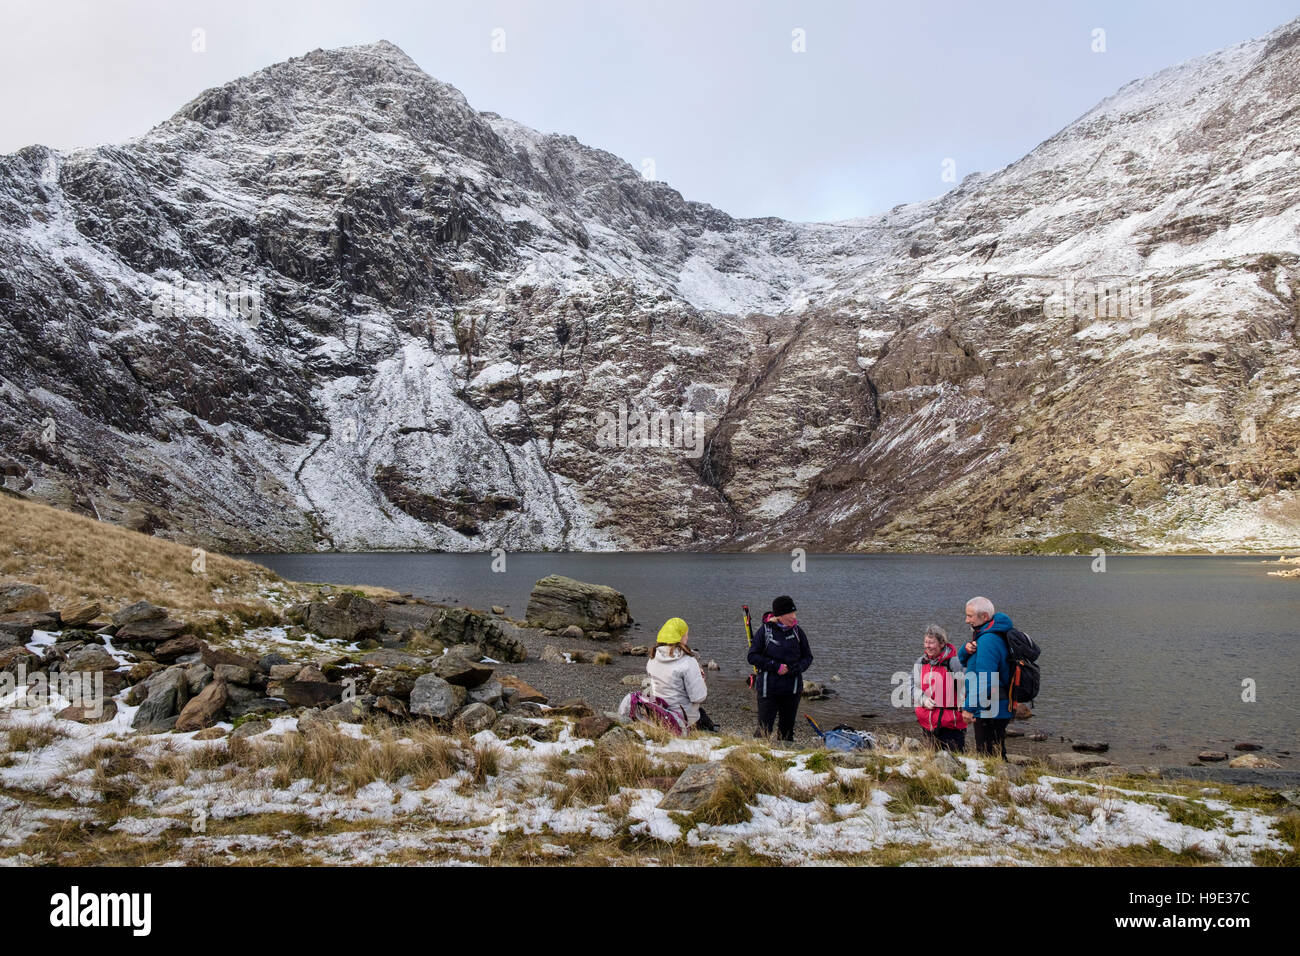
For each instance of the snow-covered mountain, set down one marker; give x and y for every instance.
(331, 305)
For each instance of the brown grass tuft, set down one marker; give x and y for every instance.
(75, 559)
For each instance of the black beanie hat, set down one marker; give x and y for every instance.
(782, 605)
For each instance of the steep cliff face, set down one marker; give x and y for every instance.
(331, 305)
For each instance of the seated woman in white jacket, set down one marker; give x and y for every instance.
(675, 674)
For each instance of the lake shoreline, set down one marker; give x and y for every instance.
(731, 706)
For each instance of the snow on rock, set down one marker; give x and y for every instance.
(329, 305)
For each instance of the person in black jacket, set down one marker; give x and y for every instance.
(781, 654)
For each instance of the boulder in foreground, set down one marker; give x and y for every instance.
(696, 786)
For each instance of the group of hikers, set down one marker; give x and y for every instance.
(779, 655)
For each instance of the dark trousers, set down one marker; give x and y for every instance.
(991, 736)
(946, 738)
(780, 709)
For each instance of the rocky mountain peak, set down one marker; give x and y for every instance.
(330, 304)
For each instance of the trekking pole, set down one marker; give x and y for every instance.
(749, 642)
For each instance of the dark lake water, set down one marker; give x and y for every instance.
(1153, 650)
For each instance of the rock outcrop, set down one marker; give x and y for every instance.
(461, 626)
(330, 305)
(346, 618)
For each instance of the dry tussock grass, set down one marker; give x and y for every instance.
(27, 737)
(331, 758)
(604, 772)
(77, 559)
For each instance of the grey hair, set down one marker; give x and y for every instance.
(938, 633)
(980, 605)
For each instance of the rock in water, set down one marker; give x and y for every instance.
(814, 691)
(559, 602)
(1091, 746)
(1255, 761)
(1211, 756)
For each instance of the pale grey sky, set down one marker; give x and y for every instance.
(711, 91)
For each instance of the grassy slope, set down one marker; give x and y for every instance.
(77, 559)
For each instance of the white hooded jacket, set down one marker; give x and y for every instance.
(676, 677)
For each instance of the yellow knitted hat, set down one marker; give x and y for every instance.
(673, 631)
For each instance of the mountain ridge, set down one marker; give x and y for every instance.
(448, 300)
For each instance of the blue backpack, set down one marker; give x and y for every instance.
(843, 738)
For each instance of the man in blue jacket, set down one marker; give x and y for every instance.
(987, 656)
(780, 654)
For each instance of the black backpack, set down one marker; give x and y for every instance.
(1022, 655)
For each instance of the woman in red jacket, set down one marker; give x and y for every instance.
(936, 683)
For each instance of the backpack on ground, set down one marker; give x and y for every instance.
(655, 710)
(843, 737)
(1022, 657)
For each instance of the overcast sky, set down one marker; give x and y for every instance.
(713, 92)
